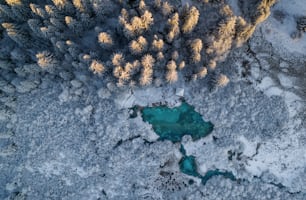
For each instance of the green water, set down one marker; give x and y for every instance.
(217, 172)
(188, 166)
(173, 123)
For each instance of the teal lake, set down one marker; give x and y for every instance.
(173, 123)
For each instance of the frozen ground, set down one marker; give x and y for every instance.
(75, 139)
(281, 27)
(87, 147)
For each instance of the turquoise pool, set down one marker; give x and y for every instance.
(173, 123)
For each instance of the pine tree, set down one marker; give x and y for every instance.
(60, 4)
(81, 5)
(104, 8)
(16, 33)
(117, 59)
(196, 45)
(212, 64)
(46, 60)
(147, 62)
(105, 39)
(137, 25)
(167, 8)
(222, 80)
(52, 11)
(74, 25)
(175, 55)
(20, 9)
(146, 76)
(37, 10)
(171, 65)
(190, 18)
(157, 44)
(182, 65)
(35, 26)
(57, 23)
(157, 3)
(14, 2)
(63, 5)
(6, 14)
(142, 5)
(97, 67)
(203, 72)
(171, 76)
(174, 29)
(138, 46)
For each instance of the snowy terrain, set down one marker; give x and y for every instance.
(75, 139)
(281, 26)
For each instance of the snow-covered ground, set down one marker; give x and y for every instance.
(76, 140)
(281, 26)
(285, 155)
(280, 159)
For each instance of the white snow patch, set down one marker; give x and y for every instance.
(64, 96)
(179, 92)
(104, 93)
(293, 7)
(294, 103)
(62, 165)
(202, 169)
(266, 83)
(249, 148)
(203, 154)
(285, 81)
(269, 87)
(84, 113)
(76, 83)
(147, 131)
(255, 71)
(291, 97)
(178, 155)
(279, 34)
(147, 97)
(273, 91)
(282, 158)
(125, 100)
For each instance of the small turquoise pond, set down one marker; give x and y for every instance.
(188, 166)
(173, 123)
